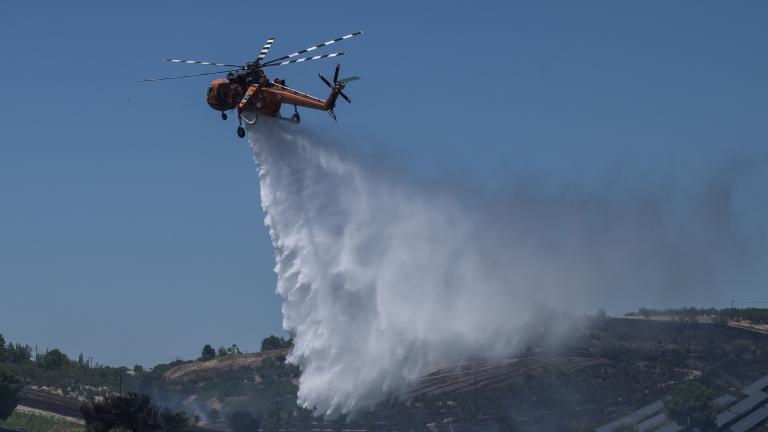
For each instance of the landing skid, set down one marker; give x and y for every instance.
(295, 119)
(251, 118)
(249, 121)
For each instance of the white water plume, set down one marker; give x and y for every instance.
(383, 278)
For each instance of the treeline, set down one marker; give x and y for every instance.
(21, 365)
(268, 343)
(138, 413)
(756, 315)
(133, 412)
(81, 377)
(53, 368)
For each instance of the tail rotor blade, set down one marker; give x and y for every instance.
(328, 83)
(345, 97)
(336, 73)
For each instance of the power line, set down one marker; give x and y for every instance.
(747, 302)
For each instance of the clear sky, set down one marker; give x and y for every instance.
(130, 223)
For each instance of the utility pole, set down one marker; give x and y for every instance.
(475, 371)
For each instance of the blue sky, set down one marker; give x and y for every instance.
(130, 223)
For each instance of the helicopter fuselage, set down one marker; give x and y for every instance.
(261, 96)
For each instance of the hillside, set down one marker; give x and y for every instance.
(607, 369)
(201, 370)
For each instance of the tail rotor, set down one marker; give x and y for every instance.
(339, 84)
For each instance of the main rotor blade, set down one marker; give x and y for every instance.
(201, 62)
(312, 48)
(303, 59)
(265, 49)
(187, 76)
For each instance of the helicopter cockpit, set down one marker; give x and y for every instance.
(223, 95)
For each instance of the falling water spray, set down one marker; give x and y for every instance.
(383, 278)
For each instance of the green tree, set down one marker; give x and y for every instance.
(10, 386)
(690, 405)
(208, 353)
(273, 342)
(18, 353)
(54, 359)
(133, 412)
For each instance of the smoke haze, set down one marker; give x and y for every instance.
(383, 277)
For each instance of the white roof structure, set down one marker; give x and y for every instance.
(652, 423)
(634, 418)
(756, 386)
(672, 427)
(751, 420)
(724, 400)
(749, 403)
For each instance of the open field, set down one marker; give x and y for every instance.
(25, 421)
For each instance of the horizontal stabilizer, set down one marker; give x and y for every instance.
(349, 79)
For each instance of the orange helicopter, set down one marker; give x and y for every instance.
(248, 89)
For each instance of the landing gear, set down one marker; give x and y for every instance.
(223, 115)
(295, 118)
(240, 130)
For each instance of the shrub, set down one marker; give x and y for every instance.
(133, 412)
(690, 405)
(54, 359)
(208, 353)
(10, 386)
(273, 342)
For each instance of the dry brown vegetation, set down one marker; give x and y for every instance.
(201, 369)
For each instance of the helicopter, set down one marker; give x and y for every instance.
(247, 88)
